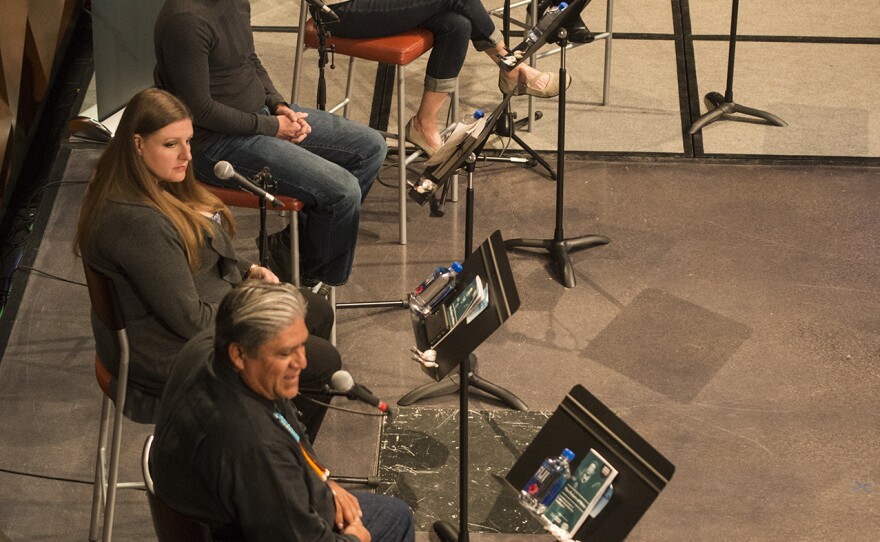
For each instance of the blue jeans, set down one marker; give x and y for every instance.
(453, 23)
(386, 518)
(331, 172)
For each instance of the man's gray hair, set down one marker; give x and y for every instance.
(253, 312)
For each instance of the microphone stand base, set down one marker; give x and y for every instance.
(369, 481)
(559, 249)
(450, 385)
(724, 109)
(445, 531)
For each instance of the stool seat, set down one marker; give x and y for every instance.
(234, 197)
(399, 49)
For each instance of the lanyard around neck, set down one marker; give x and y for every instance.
(323, 473)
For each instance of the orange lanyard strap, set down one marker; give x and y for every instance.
(323, 473)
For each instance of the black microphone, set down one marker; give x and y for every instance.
(320, 6)
(224, 170)
(342, 381)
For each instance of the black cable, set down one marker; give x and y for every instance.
(394, 165)
(350, 411)
(50, 275)
(46, 477)
(40, 191)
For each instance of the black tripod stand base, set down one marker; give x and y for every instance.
(721, 108)
(426, 391)
(450, 385)
(559, 251)
(445, 531)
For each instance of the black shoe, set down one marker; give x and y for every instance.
(322, 290)
(278, 257)
(577, 30)
(579, 33)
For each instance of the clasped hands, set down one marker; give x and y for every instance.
(292, 126)
(348, 513)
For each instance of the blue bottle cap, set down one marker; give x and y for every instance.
(479, 113)
(456, 267)
(562, 5)
(568, 454)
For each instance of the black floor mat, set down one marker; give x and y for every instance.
(419, 458)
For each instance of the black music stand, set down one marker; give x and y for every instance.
(455, 348)
(582, 422)
(439, 174)
(559, 247)
(507, 123)
(461, 155)
(449, 159)
(724, 106)
(452, 352)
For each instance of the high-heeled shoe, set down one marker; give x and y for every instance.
(513, 86)
(413, 136)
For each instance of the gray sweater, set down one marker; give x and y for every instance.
(164, 305)
(205, 56)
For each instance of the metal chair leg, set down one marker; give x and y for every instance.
(100, 489)
(401, 148)
(113, 476)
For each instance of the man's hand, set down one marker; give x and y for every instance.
(263, 273)
(357, 528)
(348, 509)
(292, 126)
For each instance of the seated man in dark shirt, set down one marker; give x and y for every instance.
(229, 449)
(205, 55)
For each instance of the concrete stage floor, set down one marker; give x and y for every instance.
(733, 321)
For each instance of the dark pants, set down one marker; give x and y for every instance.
(386, 518)
(453, 23)
(331, 172)
(323, 361)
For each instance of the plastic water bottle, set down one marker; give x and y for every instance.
(438, 288)
(473, 117)
(547, 482)
(544, 23)
(434, 276)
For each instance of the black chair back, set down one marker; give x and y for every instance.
(103, 298)
(170, 525)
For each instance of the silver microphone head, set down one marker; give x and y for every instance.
(223, 169)
(342, 381)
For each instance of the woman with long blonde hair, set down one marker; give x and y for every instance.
(166, 243)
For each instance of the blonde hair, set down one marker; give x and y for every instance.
(121, 175)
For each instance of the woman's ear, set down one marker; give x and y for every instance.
(139, 144)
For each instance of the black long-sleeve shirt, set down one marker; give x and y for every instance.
(221, 456)
(205, 55)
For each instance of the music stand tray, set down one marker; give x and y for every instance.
(582, 422)
(452, 155)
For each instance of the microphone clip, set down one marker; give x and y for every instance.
(428, 358)
(265, 180)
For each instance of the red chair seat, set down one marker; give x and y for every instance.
(233, 197)
(103, 375)
(399, 49)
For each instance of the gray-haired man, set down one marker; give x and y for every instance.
(229, 449)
